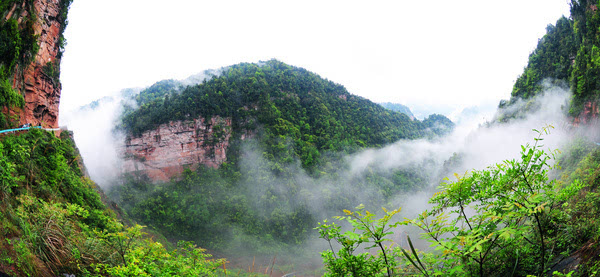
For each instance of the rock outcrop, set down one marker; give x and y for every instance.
(38, 82)
(588, 114)
(165, 152)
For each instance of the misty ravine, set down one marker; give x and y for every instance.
(264, 202)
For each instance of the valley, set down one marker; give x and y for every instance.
(269, 169)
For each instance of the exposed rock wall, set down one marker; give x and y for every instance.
(590, 112)
(41, 91)
(166, 151)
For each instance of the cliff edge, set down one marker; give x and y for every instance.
(34, 30)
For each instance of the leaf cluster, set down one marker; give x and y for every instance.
(366, 229)
(482, 220)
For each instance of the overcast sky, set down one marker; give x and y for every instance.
(438, 53)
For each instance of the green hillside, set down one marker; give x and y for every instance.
(304, 125)
(287, 103)
(567, 55)
(54, 221)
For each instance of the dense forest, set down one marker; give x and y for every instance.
(53, 219)
(566, 56)
(284, 101)
(260, 198)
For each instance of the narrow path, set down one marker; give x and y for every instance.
(27, 128)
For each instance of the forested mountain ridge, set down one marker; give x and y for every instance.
(275, 123)
(286, 105)
(568, 55)
(297, 95)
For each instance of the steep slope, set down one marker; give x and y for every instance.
(166, 151)
(553, 58)
(32, 45)
(290, 107)
(568, 55)
(53, 221)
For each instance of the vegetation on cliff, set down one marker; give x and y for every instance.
(568, 55)
(287, 103)
(303, 124)
(259, 203)
(53, 221)
(18, 46)
(52, 217)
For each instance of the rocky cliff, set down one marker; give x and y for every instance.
(38, 81)
(588, 114)
(172, 147)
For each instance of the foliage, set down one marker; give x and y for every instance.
(208, 207)
(552, 59)
(18, 46)
(260, 204)
(157, 91)
(286, 103)
(569, 52)
(52, 219)
(365, 229)
(62, 19)
(487, 219)
(438, 124)
(149, 258)
(507, 220)
(584, 81)
(11, 45)
(52, 71)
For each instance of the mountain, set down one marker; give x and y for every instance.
(241, 159)
(566, 57)
(294, 113)
(398, 108)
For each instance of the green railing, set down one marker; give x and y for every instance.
(27, 128)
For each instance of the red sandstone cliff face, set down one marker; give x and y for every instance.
(41, 92)
(165, 152)
(589, 113)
